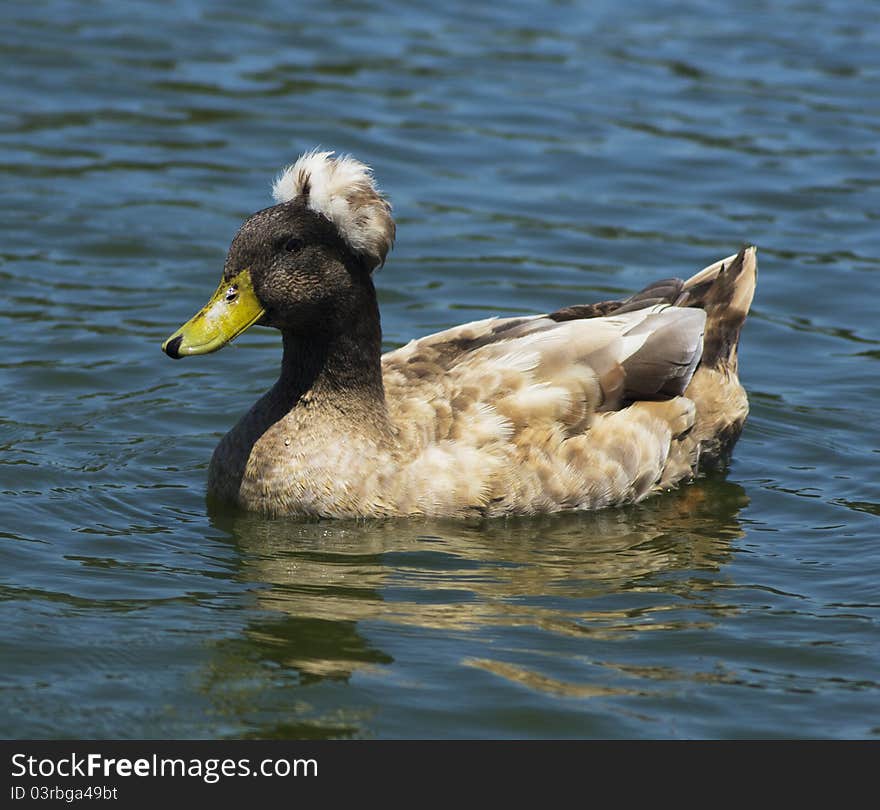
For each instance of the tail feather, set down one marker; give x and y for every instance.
(725, 291)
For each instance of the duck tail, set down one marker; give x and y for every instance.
(725, 291)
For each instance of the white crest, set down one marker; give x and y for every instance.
(344, 191)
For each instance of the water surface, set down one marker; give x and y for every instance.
(534, 159)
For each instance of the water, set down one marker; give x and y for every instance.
(535, 159)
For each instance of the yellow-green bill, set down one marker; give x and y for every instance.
(231, 310)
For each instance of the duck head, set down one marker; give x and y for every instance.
(297, 266)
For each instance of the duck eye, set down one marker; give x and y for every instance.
(232, 293)
(293, 244)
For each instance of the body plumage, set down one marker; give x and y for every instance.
(587, 407)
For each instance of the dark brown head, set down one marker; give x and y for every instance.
(301, 265)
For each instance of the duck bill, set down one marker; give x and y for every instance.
(231, 310)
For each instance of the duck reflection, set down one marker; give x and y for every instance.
(328, 590)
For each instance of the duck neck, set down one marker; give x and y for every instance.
(337, 368)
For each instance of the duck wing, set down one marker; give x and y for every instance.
(546, 368)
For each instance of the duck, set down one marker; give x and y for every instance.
(591, 406)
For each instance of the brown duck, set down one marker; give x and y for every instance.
(591, 406)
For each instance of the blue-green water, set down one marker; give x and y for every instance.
(537, 156)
